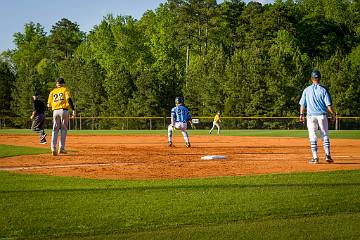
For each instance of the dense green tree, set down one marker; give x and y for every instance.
(101, 43)
(244, 59)
(119, 87)
(170, 85)
(251, 29)
(330, 23)
(65, 36)
(118, 47)
(145, 98)
(285, 75)
(204, 89)
(85, 80)
(127, 42)
(7, 78)
(341, 76)
(31, 50)
(245, 88)
(228, 20)
(194, 26)
(168, 56)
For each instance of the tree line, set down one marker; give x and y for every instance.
(240, 59)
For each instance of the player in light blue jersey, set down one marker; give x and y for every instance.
(180, 116)
(317, 101)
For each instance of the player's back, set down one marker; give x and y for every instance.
(39, 106)
(180, 113)
(58, 98)
(316, 98)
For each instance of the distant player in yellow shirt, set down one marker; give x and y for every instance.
(60, 102)
(216, 123)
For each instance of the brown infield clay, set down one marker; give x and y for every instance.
(149, 157)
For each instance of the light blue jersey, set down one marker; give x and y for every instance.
(316, 98)
(180, 114)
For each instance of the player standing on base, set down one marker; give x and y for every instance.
(317, 101)
(60, 102)
(180, 115)
(216, 123)
(38, 117)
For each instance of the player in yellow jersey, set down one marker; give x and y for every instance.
(216, 123)
(60, 102)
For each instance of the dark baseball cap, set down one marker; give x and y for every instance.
(315, 74)
(60, 80)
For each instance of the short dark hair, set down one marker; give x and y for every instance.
(60, 80)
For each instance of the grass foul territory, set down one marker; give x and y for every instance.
(10, 151)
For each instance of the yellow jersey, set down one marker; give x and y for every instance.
(217, 118)
(58, 98)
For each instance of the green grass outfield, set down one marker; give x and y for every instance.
(280, 206)
(350, 134)
(322, 205)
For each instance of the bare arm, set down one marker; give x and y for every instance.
(332, 111)
(33, 114)
(302, 110)
(33, 108)
(172, 120)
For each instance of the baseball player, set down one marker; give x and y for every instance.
(60, 101)
(180, 115)
(216, 123)
(317, 101)
(38, 117)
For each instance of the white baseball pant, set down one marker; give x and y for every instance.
(213, 126)
(60, 121)
(315, 123)
(178, 125)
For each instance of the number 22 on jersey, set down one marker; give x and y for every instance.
(58, 97)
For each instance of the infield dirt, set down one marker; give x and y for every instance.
(149, 157)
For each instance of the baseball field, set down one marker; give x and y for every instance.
(131, 185)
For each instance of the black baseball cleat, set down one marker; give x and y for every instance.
(328, 159)
(42, 138)
(62, 151)
(314, 161)
(169, 144)
(188, 145)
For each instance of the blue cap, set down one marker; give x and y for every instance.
(179, 100)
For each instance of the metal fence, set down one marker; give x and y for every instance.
(158, 123)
